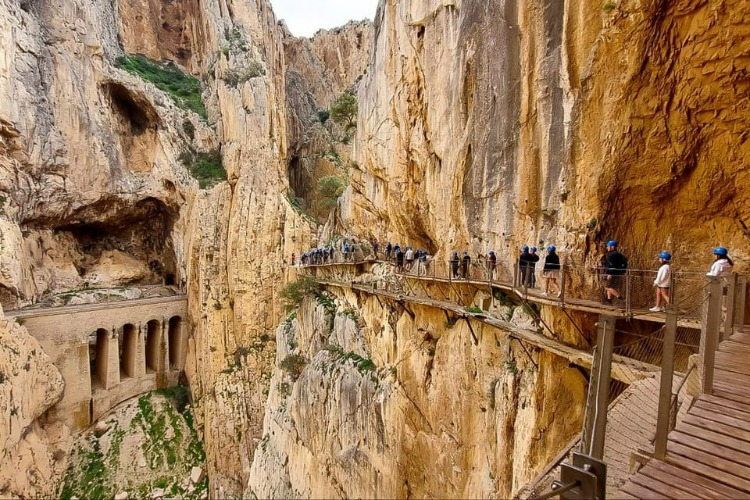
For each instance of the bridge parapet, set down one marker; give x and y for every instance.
(108, 353)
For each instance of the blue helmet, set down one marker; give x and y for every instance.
(551, 248)
(721, 251)
(466, 253)
(455, 254)
(492, 252)
(665, 256)
(533, 249)
(525, 248)
(612, 243)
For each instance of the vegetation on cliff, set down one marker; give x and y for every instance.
(184, 89)
(207, 167)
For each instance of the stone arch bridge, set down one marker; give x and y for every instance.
(108, 353)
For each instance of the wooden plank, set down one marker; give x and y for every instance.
(715, 449)
(639, 491)
(734, 348)
(711, 398)
(697, 481)
(704, 463)
(742, 338)
(668, 475)
(739, 380)
(722, 391)
(707, 423)
(722, 419)
(730, 412)
(714, 437)
(665, 489)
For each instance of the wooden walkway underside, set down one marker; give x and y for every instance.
(708, 454)
(623, 369)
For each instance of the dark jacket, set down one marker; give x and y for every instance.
(552, 262)
(614, 263)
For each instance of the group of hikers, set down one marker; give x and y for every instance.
(613, 264)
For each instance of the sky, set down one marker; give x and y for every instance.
(305, 17)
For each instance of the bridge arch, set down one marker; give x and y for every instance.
(176, 340)
(153, 346)
(99, 362)
(128, 351)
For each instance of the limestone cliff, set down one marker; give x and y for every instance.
(32, 450)
(374, 399)
(489, 125)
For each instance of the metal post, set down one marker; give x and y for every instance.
(562, 283)
(739, 303)
(710, 334)
(628, 294)
(729, 304)
(515, 275)
(665, 388)
(592, 442)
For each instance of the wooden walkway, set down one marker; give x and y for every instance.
(623, 368)
(708, 453)
(533, 295)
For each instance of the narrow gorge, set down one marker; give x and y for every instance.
(196, 296)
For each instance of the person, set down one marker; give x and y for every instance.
(465, 261)
(409, 258)
(662, 281)
(615, 266)
(722, 265)
(491, 265)
(375, 248)
(454, 264)
(523, 265)
(388, 249)
(346, 251)
(422, 263)
(551, 270)
(399, 259)
(294, 259)
(533, 259)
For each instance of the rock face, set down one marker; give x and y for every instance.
(318, 71)
(486, 126)
(32, 450)
(370, 401)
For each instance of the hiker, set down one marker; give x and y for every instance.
(533, 259)
(294, 259)
(346, 250)
(422, 263)
(409, 259)
(454, 264)
(523, 265)
(388, 249)
(465, 261)
(375, 248)
(662, 281)
(551, 270)
(615, 265)
(399, 259)
(491, 265)
(722, 265)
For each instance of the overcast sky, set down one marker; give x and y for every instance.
(305, 17)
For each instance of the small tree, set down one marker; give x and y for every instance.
(294, 291)
(344, 110)
(330, 189)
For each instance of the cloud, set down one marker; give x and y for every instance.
(305, 17)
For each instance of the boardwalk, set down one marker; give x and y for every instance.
(531, 295)
(708, 454)
(624, 369)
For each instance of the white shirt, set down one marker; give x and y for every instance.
(663, 276)
(720, 268)
(410, 254)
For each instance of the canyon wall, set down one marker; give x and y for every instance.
(490, 125)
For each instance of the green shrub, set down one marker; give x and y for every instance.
(236, 77)
(184, 89)
(189, 129)
(323, 116)
(609, 6)
(293, 365)
(512, 367)
(344, 111)
(207, 168)
(294, 291)
(330, 189)
(474, 310)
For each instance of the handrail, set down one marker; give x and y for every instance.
(558, 489)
